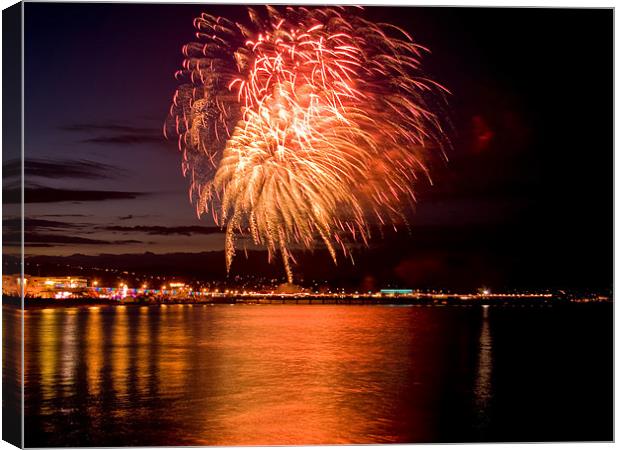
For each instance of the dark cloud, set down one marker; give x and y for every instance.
(49, 239)
(125, 139)
(64, 215)
(165, 231)
(46, 233)
(131, 216)
(39, 224)
(51, 195)
(64, 168)
(112, 133)
(94, 127)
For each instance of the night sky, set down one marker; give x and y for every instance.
(525, 199)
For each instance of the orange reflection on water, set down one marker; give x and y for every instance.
(48, 352)
(236, 375)
(68, 353)
(94, 346)
(119, 354)
(306, 375)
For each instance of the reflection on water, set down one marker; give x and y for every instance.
(483, 387)
(12, 374)
(234, 375)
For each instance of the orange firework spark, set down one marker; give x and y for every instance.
(306, 126)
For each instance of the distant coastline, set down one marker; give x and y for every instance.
(453, 300)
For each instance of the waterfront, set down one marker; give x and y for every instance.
(301, 374)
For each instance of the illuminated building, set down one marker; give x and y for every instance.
(395, 292)
(44, 287)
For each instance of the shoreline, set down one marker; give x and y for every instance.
(367, 301)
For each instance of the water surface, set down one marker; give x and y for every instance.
(316, 374)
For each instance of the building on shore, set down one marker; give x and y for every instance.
(396, 292)
(44, 287)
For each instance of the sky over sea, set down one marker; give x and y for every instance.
(530, 118)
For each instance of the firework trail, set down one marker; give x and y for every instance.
(303, 126)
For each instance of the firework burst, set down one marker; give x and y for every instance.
(303, 126)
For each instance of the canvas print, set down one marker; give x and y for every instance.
(232, 225)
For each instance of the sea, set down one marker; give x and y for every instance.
(314, 374)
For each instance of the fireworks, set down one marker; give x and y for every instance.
(303, 126)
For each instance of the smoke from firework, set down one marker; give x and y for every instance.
(303, 126)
